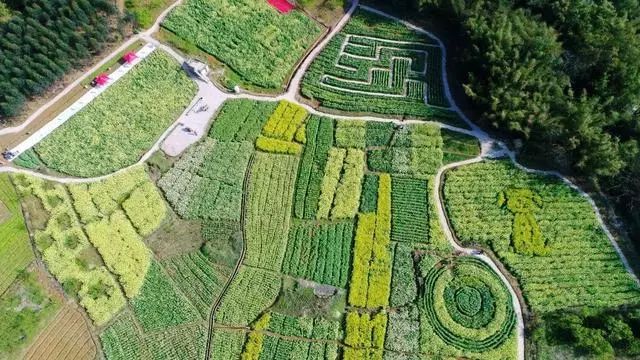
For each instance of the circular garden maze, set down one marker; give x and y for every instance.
(468, 305)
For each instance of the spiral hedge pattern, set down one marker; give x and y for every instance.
(468, 306)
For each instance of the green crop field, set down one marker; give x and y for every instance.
(518, 215)
(378, 66)
(249, 36)
(120, 125)
(15, 251)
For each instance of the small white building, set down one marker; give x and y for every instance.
(198, 68)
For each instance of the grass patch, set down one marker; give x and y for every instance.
(145, 12)
(298, 300)
(175, 236)
(25, 308)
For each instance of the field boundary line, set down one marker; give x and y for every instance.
(236, 269)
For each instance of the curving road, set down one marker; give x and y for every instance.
(214, 98)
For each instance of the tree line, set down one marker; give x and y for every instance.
(562, 75)
(43, 40)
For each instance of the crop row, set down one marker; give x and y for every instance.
(66, 336)
(369, 193)
(249, 36)
(122, 123)
(251, 292)
(580, 267)
(122, 250)
(341, 184)
(269, 205)
(255, 339)
(241, 120)
(319, 252)
(123, 341)
(403, 330)
(403, 283)
(365, 335)
(468, 305)
(319, 139)
(100, 199)
(15, 251)
(313, 328)
(199, 279)
(285, 121)
(206, 183)
(160, 305)
(382, 67)
(62, 243)
(415, 150)
(227, 344)
(285, 125)
(351, 134)
(283, 348)
(371, 271)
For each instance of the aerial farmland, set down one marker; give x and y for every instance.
(313, 180)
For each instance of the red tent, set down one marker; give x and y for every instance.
(102, 79)
(282, 5)
(129, 57)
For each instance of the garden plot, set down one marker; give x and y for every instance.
(260, 45)
(123, 340)
(545, 232)
(398, 71)
(465, 309)
(15, 250)
(120, 125)
(390, 68)
(92, 242)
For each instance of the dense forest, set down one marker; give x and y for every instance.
(561, 75)
(42, 40)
